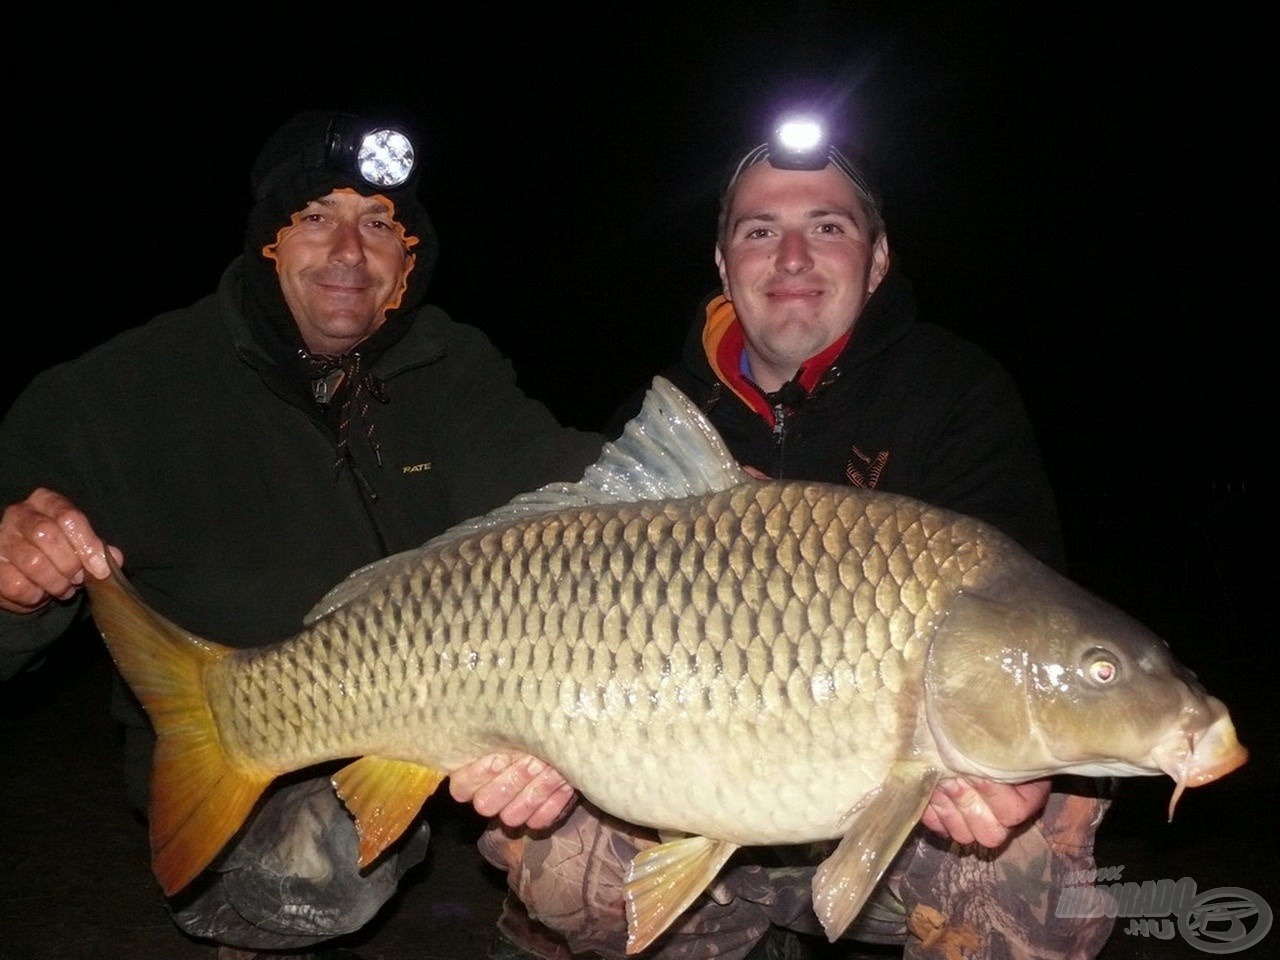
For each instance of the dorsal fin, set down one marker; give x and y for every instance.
(668, 451)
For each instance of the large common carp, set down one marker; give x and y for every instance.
(729, 660)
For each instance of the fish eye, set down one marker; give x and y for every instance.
(1102, 667)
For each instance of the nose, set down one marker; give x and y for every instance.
(347, 247)
(793, 252)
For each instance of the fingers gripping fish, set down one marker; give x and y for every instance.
(730, 661)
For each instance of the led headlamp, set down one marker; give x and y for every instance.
(346, 147)
(382, 156)
(801, 143)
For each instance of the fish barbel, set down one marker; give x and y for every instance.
(731, 661)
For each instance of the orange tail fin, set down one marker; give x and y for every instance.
(199, 797)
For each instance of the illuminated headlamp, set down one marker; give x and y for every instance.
(381, 156)
(801, 143)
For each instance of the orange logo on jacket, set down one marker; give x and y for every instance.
(864, 471)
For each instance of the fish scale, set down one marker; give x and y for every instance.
(732, 661)
(677, 665)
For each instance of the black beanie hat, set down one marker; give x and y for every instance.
(290, 171)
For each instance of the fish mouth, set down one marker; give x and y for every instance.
(1194, 758)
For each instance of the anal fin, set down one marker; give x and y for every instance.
(664, 880)
(384, 796)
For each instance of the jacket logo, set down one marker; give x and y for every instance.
(416, 467)
(864, 471)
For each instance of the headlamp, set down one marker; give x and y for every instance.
(801, 143)
(382, 156)
(320, 145)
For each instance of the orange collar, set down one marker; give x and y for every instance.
(723, 342)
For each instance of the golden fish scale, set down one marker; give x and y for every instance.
(739, 664)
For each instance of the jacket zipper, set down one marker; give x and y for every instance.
(779, 434)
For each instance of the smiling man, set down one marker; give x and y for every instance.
(798, 257)
(242, 454)
(811, 364)
(343, 262)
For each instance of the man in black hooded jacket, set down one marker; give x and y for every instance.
(811, 364)
(243, 454)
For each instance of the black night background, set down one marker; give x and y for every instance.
(1086, 189)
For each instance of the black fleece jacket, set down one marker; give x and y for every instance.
(198, 451)
(907, 407)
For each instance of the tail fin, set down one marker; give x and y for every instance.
(199, 796)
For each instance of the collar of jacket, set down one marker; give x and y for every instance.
(723, 344)
(713, 350)
(274, 361)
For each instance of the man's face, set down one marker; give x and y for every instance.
(343, 262)
(797, 263)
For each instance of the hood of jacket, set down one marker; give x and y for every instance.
(284, 179)
(886, 318)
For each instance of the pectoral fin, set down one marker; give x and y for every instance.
(876, 829)
(664, 880)
(384, 796)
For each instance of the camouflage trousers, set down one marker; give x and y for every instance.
(939, 900)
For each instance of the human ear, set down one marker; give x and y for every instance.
(879, 263)
(724, 273)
